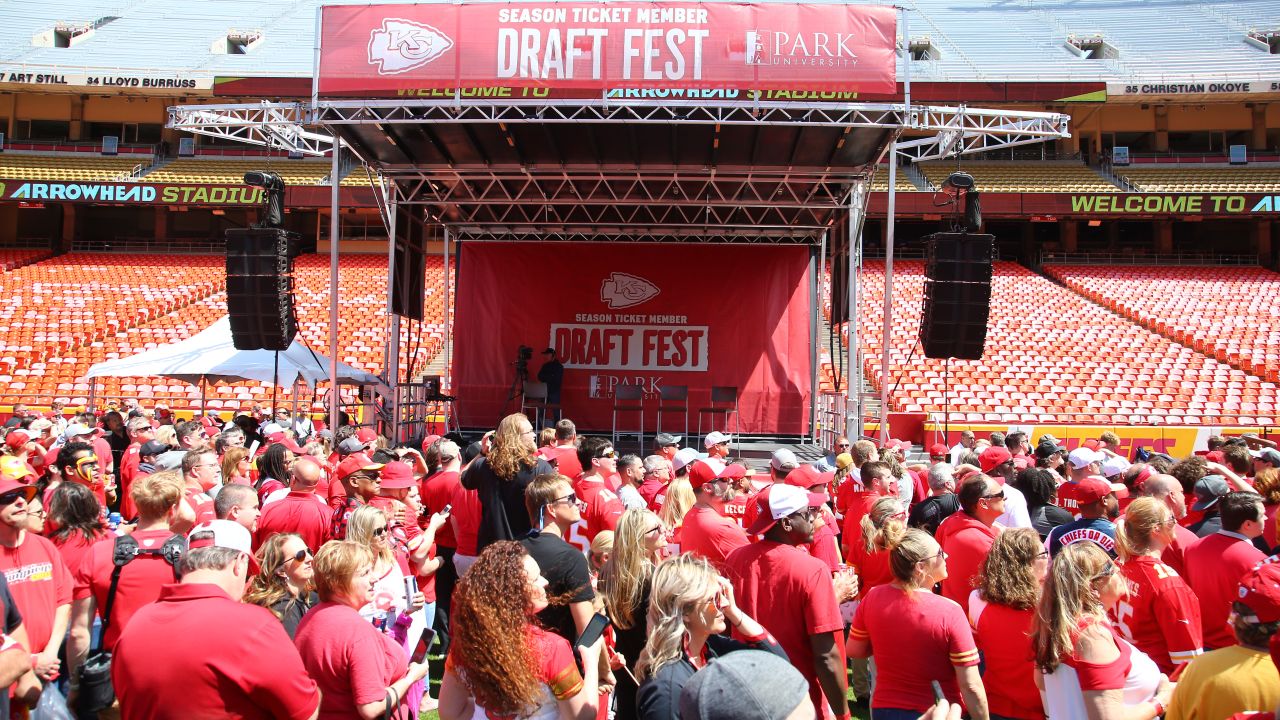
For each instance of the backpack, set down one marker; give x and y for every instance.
(96, 691)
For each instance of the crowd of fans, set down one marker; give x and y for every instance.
(269, 567)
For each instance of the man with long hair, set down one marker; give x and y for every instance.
(500, 478)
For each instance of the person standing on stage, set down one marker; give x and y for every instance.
(551, 373)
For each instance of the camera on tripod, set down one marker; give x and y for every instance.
(523, 355)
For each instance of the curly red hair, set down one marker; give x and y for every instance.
(490, 650)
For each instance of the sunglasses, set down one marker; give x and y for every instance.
(655, 530)
(302, 554)
(609, 453)
(996, 496)
(379, 532)
(12, 497)
(570, 498)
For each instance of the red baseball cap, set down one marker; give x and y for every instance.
(16, 439)
(282, 439)
(805, 476)
(355, 462)
(366, 435)
(9, 485)
(938, 450)
(1092, 489)
(396, 476)
(427, 442)
(1091, 444)
(1260, 591)
(733, 472)
(994, 457)
(780, 500)
(701, 473)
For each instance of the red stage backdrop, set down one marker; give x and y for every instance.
(374, 50)
(649, 315)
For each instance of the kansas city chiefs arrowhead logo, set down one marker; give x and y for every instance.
(400, 45)
(621, 290)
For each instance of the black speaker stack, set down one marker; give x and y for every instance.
(957, 295)
(260, 287)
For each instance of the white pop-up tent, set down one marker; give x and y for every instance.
(210, 357)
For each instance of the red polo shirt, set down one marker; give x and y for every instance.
(436, 492)
(1215, 565)
(350, 660)
(791, 595)
(140, 580)
(128, 473)
(967, 542)
(1175, 554)
(709, 534)
(233, 661)
(298, 512)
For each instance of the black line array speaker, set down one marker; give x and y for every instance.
(408, 284)
(260, 287)
(957, 295)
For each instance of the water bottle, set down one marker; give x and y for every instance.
(113, 521)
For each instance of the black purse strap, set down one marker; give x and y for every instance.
(111, 601)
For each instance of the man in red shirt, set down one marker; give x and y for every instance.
(966, 536)
(158, 499)
(140, 432)
(301, 511)
(600, 507)
(233, 659)
(200, 473)
(1168, 490)
(38, 579)
(239, 504)
(657, 475)
(564, 453)
(706, 531)
(1216, 562)
(791, 594)
(1084, 462)
(361, 482)
(875, 477)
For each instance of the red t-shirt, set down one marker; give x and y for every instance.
(844, 493)
(1175, 554)
(106, 463)
(128, 473)
(736, 509)
(349, 659)
(600, 507)
(202, 505)
(1215, 565)
(709, 534)
(298, 512)
(872, 569)
(1161, 616)
(1003, 634)
(465, 520)
(1102, 676)
(651, 490)
(790, 594)
(917, 637)
(74, 548)
(1067, 498)
(195, 652)
(859, 504)
(824, 545)
(436, 492)
(557, 668)
(39, 582)
(966, 541)
(566, 460)
(140, 581)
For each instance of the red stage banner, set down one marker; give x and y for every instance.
(370, 50)
(649, 315)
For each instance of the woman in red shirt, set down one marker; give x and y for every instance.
(1000, 611)
(882, 528)
(360, 671)
(1161, 614)
(501, 663)
(74, 521)
(916, 637)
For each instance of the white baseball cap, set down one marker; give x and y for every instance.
(783, 459)
(270, 429)
(1114, 465)
(780, 500)
(715, 437)
(226, 534)
(683, 457)
(1082, 457)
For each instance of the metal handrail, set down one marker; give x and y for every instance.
(1088, 258)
